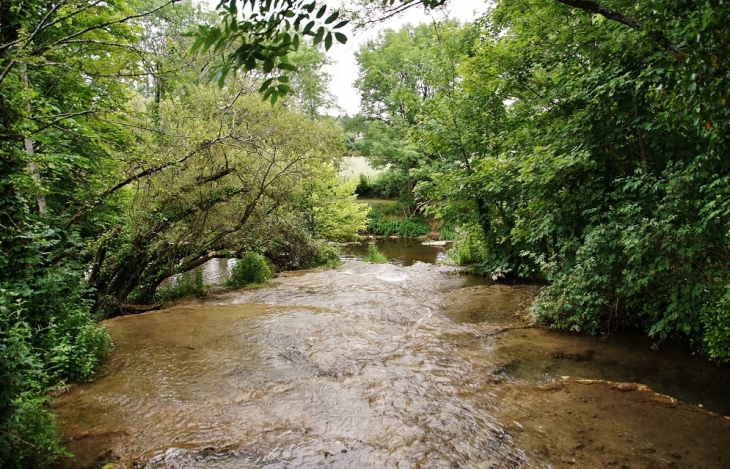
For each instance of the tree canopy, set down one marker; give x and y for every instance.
(579, 143)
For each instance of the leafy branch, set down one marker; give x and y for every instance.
(265, 37)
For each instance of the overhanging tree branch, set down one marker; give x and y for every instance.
(629, 21)
(136, 176)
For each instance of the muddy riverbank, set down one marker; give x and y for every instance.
(375, 366)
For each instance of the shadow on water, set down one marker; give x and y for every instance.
(387, 366)
(540, 354)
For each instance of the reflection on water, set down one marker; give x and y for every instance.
(398, 251)
(380, 366)
(217, 271)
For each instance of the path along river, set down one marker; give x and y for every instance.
(387, 366)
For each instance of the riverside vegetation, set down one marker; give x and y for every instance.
(121, 167)
(582, 144)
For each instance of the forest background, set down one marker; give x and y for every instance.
(575, 143)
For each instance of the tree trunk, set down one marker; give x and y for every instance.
(32, 166)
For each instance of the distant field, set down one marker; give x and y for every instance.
(354, 166)
(378, 201)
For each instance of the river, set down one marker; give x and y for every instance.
(400, 365)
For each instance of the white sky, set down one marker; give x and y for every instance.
(344, 69)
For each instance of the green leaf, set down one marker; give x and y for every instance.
(332, 17)
(341, 38)
(286, 66)
(199, 41)
(265, 86)
(318, 37)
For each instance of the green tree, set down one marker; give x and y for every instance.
(231, 166)
(583, 142)
(310, 82)
(396, 77)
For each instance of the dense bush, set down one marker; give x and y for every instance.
(364, 189)
(250, 269)
(291, 247)
(34, 361)
(716, 320)
(411, 227)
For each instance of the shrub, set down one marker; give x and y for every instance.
(412, 227)
(716, 321)
(326, 254)
(188, 284)
(250, 269)
(33, 361)
(446, 232)
(75, 346)
(364, 189)
(374, 255)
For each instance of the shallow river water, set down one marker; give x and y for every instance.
(387, 366)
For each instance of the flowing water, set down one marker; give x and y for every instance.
(387, 366)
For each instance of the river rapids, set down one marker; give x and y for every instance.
(384, 366)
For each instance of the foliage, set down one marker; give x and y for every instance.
(310, 82)
(250, 269)
(410, 227)
(364, 189)
(374, 256)
(31, 364)
(187, 284)
(87, 141)
(577, 143)
(229, 164)
(265, 38)
(446, 232)
(716, 321)
(335, 214)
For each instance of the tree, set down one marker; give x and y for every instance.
(310, 82)
(59, 89)
(244, 164)
(397, 75)
(83, 86)
(580, 144)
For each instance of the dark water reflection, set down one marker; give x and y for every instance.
(399, 251)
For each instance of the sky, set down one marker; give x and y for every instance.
(344, 68)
